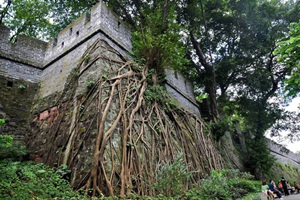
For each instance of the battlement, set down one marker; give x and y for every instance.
(29, 58)
(100, 19)
(25, 50)
(282, 154)
(39, 54)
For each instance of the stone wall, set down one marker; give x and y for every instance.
(25, 50)
(28, 61)
(182, 90)
(23, 59)
(282, 154)
(15, 103)
(15, 70)
(20, 70)
(99, 20)
(63, 53)
(29, 54)
(55, 75)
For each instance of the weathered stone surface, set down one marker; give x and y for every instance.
(100, 18)
(15, 106)
(282, 154)
(14, 70)
(182, 90)
(26, 50)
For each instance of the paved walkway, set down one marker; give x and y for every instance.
(292, 197)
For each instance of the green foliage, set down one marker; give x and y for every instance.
(258, 159)
(87, 58)
(158, 43)
(252, 196)
(29, 17)
(227, 184)
(172, 178)
(21, 86)
(63, 170)
(155, 93)
(90, 84)
(219, 128)
(5, 142)
(201, 96)
(26, 180)
(2, 121)
(41, 18)
(289, 54)
(12, 149)
(81, 107)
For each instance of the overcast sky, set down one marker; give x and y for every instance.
(295, 146)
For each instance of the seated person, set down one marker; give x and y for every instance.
(296, 187)
(273, 188)
(290, 189)
(266, 192)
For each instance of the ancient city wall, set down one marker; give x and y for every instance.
(15, 102)
(99, 20)
(25, 50)
(182, 90)
(64, 52)
(21, 65)
(282, 154)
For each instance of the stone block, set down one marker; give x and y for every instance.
(44, 115)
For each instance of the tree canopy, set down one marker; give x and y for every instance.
(289, 55)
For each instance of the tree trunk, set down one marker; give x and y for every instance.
(4, 12)
(210, 79)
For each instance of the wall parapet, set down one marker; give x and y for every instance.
(282, 154)
(25, 50)
(100, 19)
(182, 90)
(39, 54)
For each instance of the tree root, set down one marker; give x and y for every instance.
(130, 145)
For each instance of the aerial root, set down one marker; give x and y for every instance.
(141, 136)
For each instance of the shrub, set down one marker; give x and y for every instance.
(172, 178)
(5, 142)
(10, 149)
(26, 180)
(228, 184)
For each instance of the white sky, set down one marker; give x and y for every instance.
(295, 146)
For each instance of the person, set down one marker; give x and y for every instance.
(266, 192)
(290, 189)
(280, 187)
(272, 187)
(284, 186)
(296, 187)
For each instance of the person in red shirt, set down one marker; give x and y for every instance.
(280, 187)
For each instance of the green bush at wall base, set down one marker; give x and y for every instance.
(27, 180)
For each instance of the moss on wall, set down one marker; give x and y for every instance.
(16, 100)
(290, 173)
